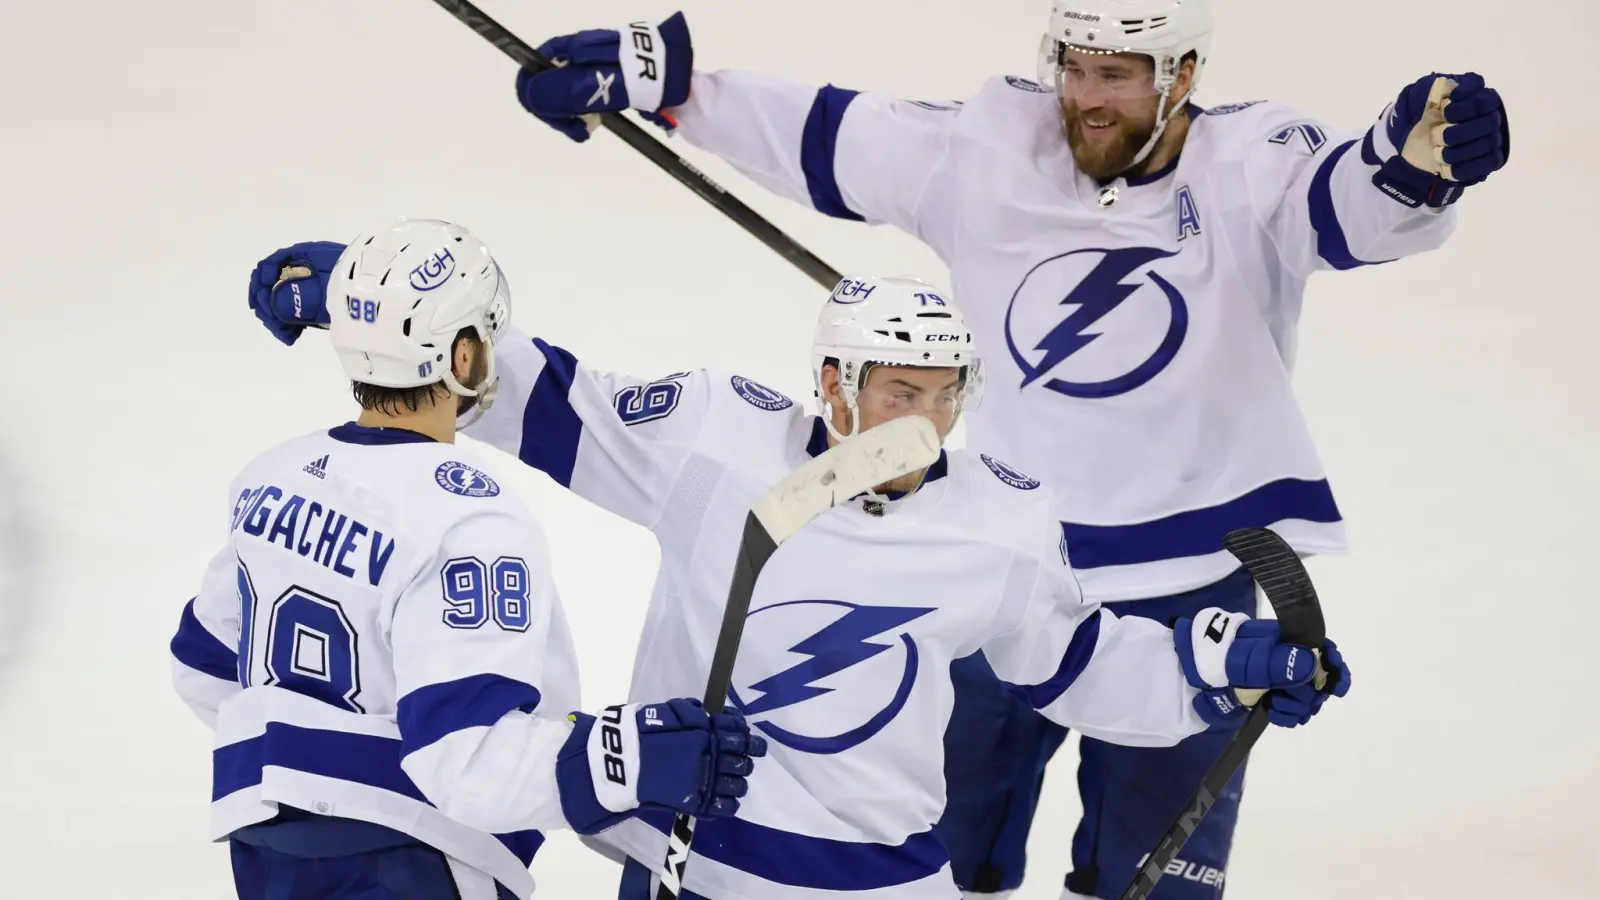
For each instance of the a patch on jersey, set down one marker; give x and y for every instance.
(460, 478)
(759, 395)
(843, 683)
(1023, 84)
(1065, 305)
(1227, 108)
(1012, 477)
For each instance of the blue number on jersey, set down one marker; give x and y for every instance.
(645, 403)
(247, 614)
(311, 649)
(474, 595)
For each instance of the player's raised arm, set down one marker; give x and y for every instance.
(617, 440)
(1340, 202)
(471, 639)
(1135, 681)
(851, 155)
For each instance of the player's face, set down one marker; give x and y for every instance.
(1110, 104)
(895, 391)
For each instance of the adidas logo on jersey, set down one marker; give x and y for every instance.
(318, 467)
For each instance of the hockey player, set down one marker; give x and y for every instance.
(846, 652)
(379, 646)
(1134, 267)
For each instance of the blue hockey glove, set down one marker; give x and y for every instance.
(1221, 651)
(1296, 705)
(1451, 132)
(642, 67)
(287, 302)
(671, 756)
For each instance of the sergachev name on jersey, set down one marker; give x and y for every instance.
(327, 537)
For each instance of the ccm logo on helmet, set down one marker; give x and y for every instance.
(942, 337)
(435, 271)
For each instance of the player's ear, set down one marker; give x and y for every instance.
(466, 350)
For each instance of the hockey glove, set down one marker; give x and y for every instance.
(671, 756)
(287, 301)
(1221, 651)
(643, 67)
(1451, 132)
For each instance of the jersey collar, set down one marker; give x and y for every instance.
(351, 433)
(819, 445)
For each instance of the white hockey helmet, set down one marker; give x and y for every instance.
(1164, 30)
(870, 321)
(399, 295)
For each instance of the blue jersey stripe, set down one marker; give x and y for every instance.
(200, 650)
(1079, 651)
(429, 713)
(1332, 245)
(818, 144)
(357, 758)
(811, 862)
(1198, 532)
(550, 426)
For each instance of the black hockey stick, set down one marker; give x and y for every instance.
(637, 138)
(855, 465)
(1283, 578)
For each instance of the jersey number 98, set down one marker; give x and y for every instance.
(477, 592)
(310, 645)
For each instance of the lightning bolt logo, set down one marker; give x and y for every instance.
(1101, 291)
(835, 648)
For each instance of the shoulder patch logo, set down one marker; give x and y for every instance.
(1227, 108)
(460, 478)
(1023, 84)
(1007, 474)
(760, 396)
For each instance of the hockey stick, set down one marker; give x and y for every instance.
(637, 138)
(1283, 578)
(858, 464)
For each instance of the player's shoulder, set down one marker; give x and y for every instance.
(1001, 502)
(1232, 130)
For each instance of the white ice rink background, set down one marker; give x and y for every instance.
(150, 153)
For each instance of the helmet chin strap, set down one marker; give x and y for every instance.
(1161, 126)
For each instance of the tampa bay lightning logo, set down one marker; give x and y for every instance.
(460, 478)
(791, 708)
(1047, 346)
(1007, 474)
(760, 395)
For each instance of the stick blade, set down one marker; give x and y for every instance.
(857, 464)
(1283, 578)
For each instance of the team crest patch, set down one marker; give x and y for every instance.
(460, 478)
(1023, 84)
(1009, 475)
(759, 395)
(1231, 108)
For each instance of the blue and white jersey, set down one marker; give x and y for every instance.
(380, 639)
(844, 662)
(1138, 353)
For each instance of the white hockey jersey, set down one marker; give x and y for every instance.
(1138, 352)
(380, 640)
(844, 663)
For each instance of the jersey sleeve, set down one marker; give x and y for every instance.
(1311, 188)
(616, 440)
(476, 646)
(1113, 679)
(851, 155)
(205, 649)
